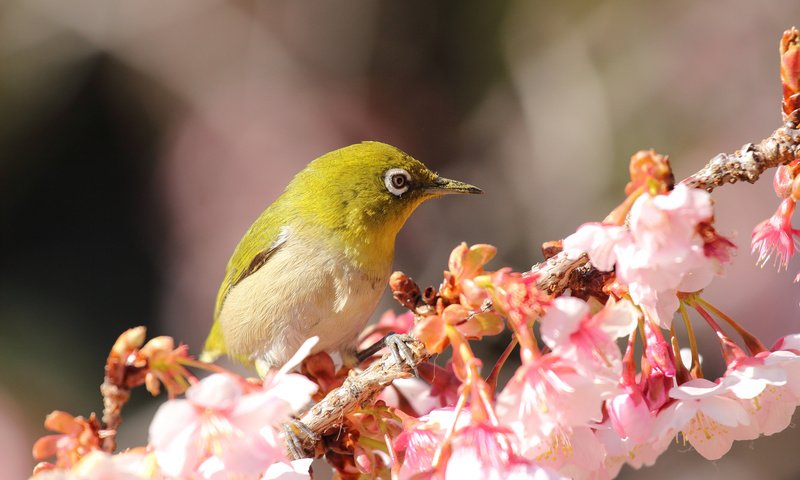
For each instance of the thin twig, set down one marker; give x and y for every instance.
(114, 398)
(359, 389)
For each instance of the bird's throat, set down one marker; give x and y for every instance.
(371, 251)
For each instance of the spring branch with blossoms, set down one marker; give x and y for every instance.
(576, 407)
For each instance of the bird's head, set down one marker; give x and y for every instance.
(367, 191)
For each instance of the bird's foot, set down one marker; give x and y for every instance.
(397, 344)
(401, 352)
(292, 430)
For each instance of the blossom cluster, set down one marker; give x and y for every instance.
(577, 405)
(225, 427)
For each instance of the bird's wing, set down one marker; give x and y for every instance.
(247, 259)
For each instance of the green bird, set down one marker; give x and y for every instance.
(316, 261)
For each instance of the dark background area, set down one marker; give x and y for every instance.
(138, 140)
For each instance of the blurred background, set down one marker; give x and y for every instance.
(138, 141)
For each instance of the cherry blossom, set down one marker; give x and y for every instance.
(776, 237)
(221, 428)
(487, 452)
(418, 394)
(98, 465)
(571, 329)
(770, 411)
(75, 437)
(620, 450)
(768, 386)
(661, 253)
(601, 241)
(748, 377)
(573, 452)
(473, 450)
(707, 415)
(419, 442)
(552, 393)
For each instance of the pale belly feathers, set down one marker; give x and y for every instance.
(301, 291)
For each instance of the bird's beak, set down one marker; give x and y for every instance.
(445, 186)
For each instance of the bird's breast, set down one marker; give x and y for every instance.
(306, 288)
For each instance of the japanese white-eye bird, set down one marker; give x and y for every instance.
(316, 261)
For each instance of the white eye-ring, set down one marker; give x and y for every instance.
(397, 181)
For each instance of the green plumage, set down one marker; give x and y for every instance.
(342, 214)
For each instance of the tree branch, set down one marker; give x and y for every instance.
(359, 389)
(555, 272)
(748, 163)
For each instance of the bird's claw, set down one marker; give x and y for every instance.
(294, 444)
(401, 352)
(397, 344)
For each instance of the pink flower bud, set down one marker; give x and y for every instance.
(782, 183)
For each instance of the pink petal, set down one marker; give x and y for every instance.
(294, 389)
(675, 417)
(773, 409)
(174, 436)
(667, 304)
(697, 388)
(213, 469)
(711, 444)
(618, 319)
(61, 422)
(598, 241)
(300, 355)
(296, 470)
(46, 446)
(726, 411)
(415, 391)
(251, 455)
(789, 342)
(98, 465)
(272, 406)
(660, 306)
(631, 417)
(562, 319)
(699, 277)
(216, 392)
(748, 383)
(690, 203)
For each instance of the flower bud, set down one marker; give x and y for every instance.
(652, 170)
(783, 181)
(404, 290)
(790, 71)
(130, 339)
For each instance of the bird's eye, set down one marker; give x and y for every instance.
(397, 181)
